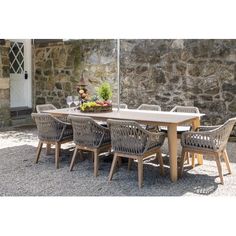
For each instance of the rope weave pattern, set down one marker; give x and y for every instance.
(186, 109)
(149, 107)
(86, 132)
(50, 128)
(129, 137)
(122, 105)
(215, 138)
(46, 107)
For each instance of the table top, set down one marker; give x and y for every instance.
(161, 117)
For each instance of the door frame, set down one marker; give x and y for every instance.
(27, 67)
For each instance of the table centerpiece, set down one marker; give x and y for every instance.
(99, 102)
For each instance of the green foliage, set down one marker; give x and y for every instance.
(104, 91)
(94, 98)
(87, 105)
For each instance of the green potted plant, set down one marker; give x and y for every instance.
(104, 91)
(102, 104)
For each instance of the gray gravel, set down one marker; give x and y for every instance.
(19, 176)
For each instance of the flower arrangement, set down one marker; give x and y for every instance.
(99, 102)
(83, 94)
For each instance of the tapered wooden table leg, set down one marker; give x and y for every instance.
(172, 142)
(196, 123)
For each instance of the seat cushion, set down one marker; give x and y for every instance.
(180, 129)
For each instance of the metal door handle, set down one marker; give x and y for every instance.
(26, 75)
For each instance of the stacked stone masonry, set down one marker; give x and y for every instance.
(59, 67)
(198, 73)
(188, 72)
(5, 119)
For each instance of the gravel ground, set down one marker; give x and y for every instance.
(19, 176)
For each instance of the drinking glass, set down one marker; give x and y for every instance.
(76, 100)
(69, 100)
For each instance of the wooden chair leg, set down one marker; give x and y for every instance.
(140, 172)
(48, 148)
(193, 159)
(73, 159)
(217, 159)
(187, 158)
(39, 148)
(57, 155)
(183, 154)
(119, 161)
(130, 160)
(226, 159)
(160, 161)
(81, 157)
(96, 163)
(113, 165)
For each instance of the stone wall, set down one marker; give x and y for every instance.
(5, 119)
(59, 66)
(198, 73)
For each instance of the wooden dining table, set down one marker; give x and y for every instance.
(161, 118)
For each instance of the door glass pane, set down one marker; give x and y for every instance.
(15, 67)
(16, 56)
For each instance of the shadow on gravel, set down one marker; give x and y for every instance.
(19, 176)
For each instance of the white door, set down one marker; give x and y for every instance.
(20, 73)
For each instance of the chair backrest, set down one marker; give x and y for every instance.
(187, 109)
(149, 107)
(122, 105)
(87, 132)
(222, 133)
(48, 128)
(127, 136)
(45, 107)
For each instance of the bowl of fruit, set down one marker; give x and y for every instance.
(96, 106)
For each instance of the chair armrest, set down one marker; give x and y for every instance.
(155, 139)
(206, 128)
(60, 121)
(106, 136)
(65, 125)
(199, 139)
(64, 119)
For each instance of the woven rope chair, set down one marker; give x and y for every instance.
(186, 127)
(130, 140)
(114, 105)
(122, 105)
(210, 141)
(185, 109)
(45, 107)
(51, 131)
(183, 127)
(147, 107)
(88, 135)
